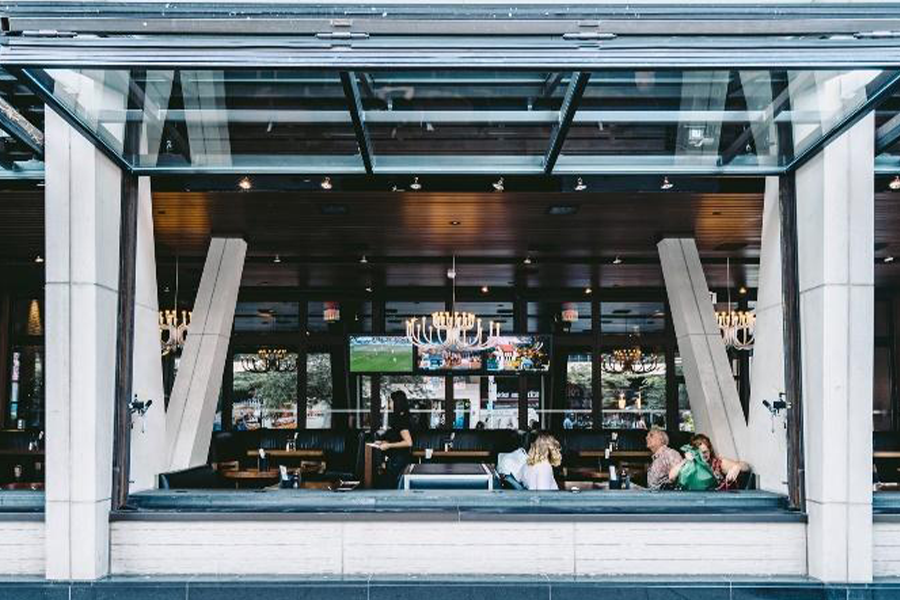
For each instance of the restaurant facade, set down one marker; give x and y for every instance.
(233, 234)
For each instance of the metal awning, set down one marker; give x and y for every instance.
(391, 89)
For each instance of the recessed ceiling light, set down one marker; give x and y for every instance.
(415, 185)
(666, 184)
(580, 185)
(394, 188)
(277, 259)
(326, 183)
(527, 260)
(888, 259)
(588, 290)
(742, 291)
(38, 259)
(895, 183)
(558, 210)
(485, 289)
(498, 185)
(369, 289)
(363, 260)
(455, 223)
(617, 260)
(245, 183)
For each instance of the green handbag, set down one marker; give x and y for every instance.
(696, 475)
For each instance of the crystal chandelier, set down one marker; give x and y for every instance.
(736, 326)
(269, 360)
(173, 329)
(451, 330)
(631, 360)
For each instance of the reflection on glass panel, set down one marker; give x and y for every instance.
(360, 416)
(266, 400)
(494, 113)
(685, 416)
(709, 119)
(579, 392)
(882, 318)
(488, 402)
(631, 317)
(27, 317)
(547, 317)
(214, 118)
(266, 316)
(396, 313)
(26, 392)
(426, 399)
(882, 410)
(498, 312)
(319, 390)
(635, 401)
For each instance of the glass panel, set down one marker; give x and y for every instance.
(284, 119)
(451, 113)
(27, 317)
(319, 390)
(685, 416)
(547, 317)
(882, 410)
(579, 392)
(626, 317)
(265, 400)
(498, 312)
(26, 393)
(17, 159)
(266, 316)
(882, 318)
(707, 120)
(396, 313)
(632, 401)
(361, 416)
(426, 399)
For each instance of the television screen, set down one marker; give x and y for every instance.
(519, 353)
(436, 360)
(380, 354)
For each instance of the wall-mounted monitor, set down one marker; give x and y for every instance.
(517, 353)
(436, 360)
(380, 354)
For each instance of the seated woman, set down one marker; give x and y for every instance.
(542, 457)
(725, 470)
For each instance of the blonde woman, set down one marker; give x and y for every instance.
(542, 457)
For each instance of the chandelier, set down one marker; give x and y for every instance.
(269, 360)
(736, 326)
(631, 360)
(173, 329)
(451, 330)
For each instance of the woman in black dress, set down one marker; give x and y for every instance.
(397, 443)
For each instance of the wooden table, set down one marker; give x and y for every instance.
(282, 453)
(252, 476)
(886, 454)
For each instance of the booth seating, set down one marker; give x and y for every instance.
(492, 441)
(202, 477)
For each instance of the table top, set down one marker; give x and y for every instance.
(454, 453)
(282, 453)
(251, 474)
(886, 454)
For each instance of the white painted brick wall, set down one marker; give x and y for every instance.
(21, 548)
(359, 547)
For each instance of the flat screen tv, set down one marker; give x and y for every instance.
(518, 353)
(433, 360)
(380, 354)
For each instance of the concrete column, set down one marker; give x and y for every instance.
(148, 434)
(835, 204)
(192, 407)
(713, 396)
(82, 197)
(768, 436)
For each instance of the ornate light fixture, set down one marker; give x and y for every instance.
(451, 330)
(631, 360)
(269, 360)
(737, 326)
(173, 329)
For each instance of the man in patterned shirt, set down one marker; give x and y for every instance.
(664, 458)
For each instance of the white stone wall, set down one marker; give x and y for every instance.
(22, 548)
(886, 549)
(423, 547)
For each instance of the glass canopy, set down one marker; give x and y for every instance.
(752, 122)
(21, 131)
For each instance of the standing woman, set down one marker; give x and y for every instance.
(398, 442)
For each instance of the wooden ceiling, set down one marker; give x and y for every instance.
(408, 237)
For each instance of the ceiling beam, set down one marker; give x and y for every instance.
(358, 115)
(574, 92)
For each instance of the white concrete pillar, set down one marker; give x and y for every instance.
(767, 433)
(714, 400)
(192, 406)
(835, 206)
(148, 434)
(82, 198)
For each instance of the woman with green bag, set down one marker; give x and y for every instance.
(703, 470)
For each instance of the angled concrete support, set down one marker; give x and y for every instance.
(713, 396)
(192, 407)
